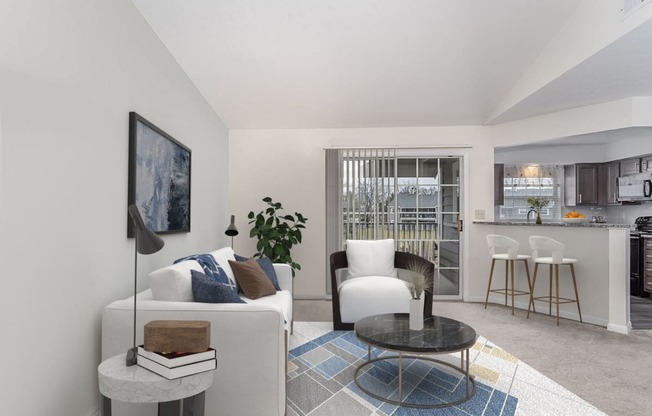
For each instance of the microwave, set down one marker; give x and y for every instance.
(636, 187)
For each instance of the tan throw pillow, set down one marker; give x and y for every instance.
(252, 279)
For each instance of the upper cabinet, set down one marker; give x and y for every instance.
(608, 183)
(581, 184)
(630, 166)
(646, 163)
(499, 184)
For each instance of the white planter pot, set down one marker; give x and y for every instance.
(416, 314)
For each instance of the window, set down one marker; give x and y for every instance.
(524, 181)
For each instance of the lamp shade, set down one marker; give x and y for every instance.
(147, 242)
(231, 230)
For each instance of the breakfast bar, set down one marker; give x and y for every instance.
(602, 270)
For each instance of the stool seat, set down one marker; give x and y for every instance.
(556, 258)
(509, 254)
(505, 256)
(550, 260)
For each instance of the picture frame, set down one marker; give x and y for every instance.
(159, 178)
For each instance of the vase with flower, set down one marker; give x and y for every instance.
(420, 281)
(536, 203)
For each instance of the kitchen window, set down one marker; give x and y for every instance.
(524, 181)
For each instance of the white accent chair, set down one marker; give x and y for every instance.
(371, 285)
(555, 248)
(505, 249)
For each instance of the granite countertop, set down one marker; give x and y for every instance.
(557, 224)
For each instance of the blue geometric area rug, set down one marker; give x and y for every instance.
(322, 364)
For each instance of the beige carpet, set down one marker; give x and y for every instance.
(611, 371)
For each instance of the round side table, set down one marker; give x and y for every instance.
(138, 385)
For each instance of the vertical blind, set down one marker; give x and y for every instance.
(360, 191)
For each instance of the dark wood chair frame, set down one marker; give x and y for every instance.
(401, 261)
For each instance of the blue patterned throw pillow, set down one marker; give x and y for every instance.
(211, 269)
(267, 266)
(207, 290)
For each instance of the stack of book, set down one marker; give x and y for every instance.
(177, 364)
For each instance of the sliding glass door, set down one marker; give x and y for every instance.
(414, 200)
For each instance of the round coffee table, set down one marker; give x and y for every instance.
(439, 336)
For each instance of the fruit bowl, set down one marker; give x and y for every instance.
(574, 220)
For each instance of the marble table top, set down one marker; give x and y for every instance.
(136, 384)
(392, 332)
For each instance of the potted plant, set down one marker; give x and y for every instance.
(277, 233)
(536, 203)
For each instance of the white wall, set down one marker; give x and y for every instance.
(288, 165)
(560, 154)
(70, 72)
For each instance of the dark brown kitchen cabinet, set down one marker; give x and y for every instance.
(647, 265)
(581, 184)
(646, 163)
(499, 184)
(608, 183)
(630, 166)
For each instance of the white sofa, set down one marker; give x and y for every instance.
(251, 339)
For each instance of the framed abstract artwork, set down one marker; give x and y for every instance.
(159, 178)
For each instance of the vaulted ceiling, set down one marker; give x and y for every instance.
(387, 63)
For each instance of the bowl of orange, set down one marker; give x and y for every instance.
(574, 217)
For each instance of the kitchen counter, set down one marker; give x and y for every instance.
(557, 224)
(602, 251)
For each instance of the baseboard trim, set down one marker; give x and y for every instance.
(312, 297)
(621, 329)
(522, 305)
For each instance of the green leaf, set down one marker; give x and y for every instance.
(267, 199)
(251, 214)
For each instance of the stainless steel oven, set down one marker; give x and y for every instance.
(638, 263)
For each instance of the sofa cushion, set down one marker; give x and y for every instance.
(267, 266)
(174, 283)
(281, 300)
(370, 258)
(211, 268)
(207, 290)
(222, 256)
(252, 279)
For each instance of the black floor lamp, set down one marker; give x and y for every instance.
(147, 242)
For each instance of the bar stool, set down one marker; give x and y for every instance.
(538, 244)
(502, 242)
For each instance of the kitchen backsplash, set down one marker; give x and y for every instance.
(614, 214)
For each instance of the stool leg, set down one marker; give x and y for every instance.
(511, 263)
(577, 296)
(529, 283)
(534, 281)
(506, 279)
(550, 292)
(491, 273)
(557, 287)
